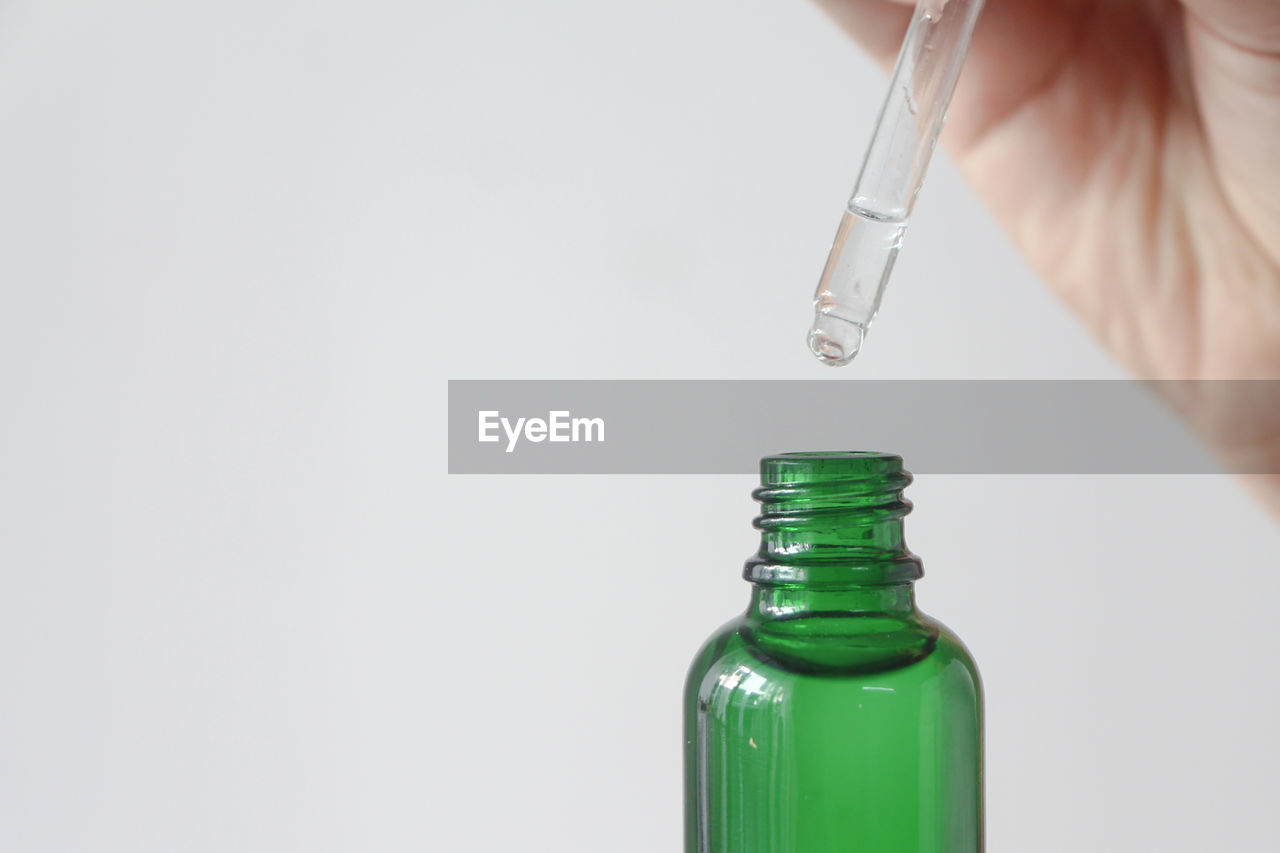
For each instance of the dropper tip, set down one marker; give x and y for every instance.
(835, 342)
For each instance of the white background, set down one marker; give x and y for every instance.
(243, 607)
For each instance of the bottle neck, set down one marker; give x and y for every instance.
(832, 583)
(833, 523)
(771, 602)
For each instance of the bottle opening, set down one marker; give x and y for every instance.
(875, 470)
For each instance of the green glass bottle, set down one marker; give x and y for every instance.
(833, 716)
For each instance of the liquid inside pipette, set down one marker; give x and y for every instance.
(852, 283)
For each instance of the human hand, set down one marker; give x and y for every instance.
(1131, 148)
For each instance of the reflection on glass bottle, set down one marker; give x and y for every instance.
(833, 715)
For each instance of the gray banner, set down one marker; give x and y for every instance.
(724, 427)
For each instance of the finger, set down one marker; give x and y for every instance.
(1017, 46)
(1234, 47)
(877, 25)
(1253, 25)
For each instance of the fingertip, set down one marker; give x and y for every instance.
(878, 26)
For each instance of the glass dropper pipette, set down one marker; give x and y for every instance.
(871, 230)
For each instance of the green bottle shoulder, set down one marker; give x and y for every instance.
(873, 651)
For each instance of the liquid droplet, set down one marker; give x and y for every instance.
(835, 342)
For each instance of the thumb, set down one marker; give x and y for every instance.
(1017, 45)
(877, 25)
(1251, 25)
